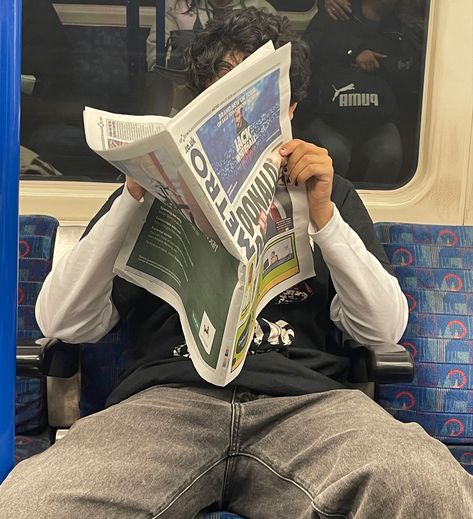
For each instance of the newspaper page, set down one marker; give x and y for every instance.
(219, 233)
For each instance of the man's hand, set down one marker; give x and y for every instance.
(310, 164)
(135, 190)
(368, 60)
(338, 9)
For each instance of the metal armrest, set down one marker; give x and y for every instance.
(55, 360)
(381, 363)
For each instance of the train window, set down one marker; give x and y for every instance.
(366, 88)
(363, 105)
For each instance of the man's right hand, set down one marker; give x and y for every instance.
(338, 9)
(135, 190)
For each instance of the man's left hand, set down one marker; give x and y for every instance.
(309, 164)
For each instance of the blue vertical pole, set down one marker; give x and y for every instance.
(10, 66)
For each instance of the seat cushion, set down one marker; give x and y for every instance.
(27, 446)
(434, 266)
(464, 455)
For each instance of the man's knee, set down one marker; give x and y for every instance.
(338, 146)
(388, 155)
(424, 477)
(23, 491)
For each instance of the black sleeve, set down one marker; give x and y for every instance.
(125, 295)
(103, 210)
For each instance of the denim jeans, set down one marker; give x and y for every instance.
(172, 452)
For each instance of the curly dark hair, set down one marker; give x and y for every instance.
(244, 31)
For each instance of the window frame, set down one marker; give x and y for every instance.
(443, 182)
(438, 191)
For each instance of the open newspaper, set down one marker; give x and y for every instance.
(219, 233)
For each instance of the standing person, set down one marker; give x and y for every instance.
(183, 15)
(287, 438)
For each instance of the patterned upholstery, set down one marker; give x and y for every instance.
(434, 265)
(36, 245)
(29, 445)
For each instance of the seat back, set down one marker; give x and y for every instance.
(434, 266)
(37, 235)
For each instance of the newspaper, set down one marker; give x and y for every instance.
(219, 233)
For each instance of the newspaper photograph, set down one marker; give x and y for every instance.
(219, 233)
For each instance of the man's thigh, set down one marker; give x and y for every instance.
(338, 454)
(158, 454)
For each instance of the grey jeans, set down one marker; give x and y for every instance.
(171, 452)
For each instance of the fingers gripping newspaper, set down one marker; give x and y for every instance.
(219, 234)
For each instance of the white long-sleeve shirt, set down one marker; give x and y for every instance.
(75, 302)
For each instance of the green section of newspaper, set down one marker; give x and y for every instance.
(173, 250)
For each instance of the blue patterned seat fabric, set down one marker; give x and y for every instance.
(434, 265)
(29, 445)
(37, 236)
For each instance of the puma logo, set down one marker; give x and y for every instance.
(338, 91)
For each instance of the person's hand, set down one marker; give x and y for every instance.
(312, 165)
(368, 60)
(338, 9)
(135, 190)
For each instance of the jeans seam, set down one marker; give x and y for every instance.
(234, 420)
(184, 490)
(296, 484)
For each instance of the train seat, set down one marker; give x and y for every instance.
(37, 236)
(434, 266)
(41, 243)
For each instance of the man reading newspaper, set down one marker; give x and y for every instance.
(286, 438)
(217, 208)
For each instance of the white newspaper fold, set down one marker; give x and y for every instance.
(219, 233)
